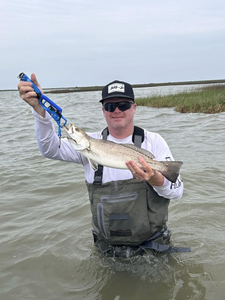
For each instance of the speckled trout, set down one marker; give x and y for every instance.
(113, 155)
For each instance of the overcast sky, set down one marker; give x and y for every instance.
(92, 42)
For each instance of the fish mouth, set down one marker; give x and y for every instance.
(68, 135)
(66, 128)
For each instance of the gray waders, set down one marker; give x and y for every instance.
(128, 216)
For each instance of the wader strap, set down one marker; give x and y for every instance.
(106, 248)
(163, 248)
(99, 172)
(137, 138)
(150, 244)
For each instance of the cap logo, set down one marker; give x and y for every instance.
(116, 87)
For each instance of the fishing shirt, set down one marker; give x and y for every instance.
(48, 144)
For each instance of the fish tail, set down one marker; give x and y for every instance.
(171, 170)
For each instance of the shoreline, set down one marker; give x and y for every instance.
(144, 85)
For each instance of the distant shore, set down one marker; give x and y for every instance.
(144, 85)
(207, 99)
(99, 88)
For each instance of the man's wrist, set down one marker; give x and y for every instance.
(157, 179)
(39, 110)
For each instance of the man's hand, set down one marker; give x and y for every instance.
(28, 94)
(146, 173)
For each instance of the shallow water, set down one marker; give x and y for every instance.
(46, 248)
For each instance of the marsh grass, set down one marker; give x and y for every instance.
(209, 99)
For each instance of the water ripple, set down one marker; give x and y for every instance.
(47, 250)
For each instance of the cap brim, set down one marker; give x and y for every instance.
(116, 96)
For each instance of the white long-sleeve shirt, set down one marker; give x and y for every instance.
(48, 145)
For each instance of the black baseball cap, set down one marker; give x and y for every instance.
(117, 89)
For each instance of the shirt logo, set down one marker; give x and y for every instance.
(116, 87)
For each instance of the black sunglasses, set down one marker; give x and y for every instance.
(121, 105)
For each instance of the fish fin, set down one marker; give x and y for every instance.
(93, 164)
(172, 170)
(140, 150)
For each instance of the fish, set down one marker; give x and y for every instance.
(115, 155)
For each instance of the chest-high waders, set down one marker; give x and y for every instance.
(128, 216)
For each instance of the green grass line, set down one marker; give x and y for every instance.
(209, 99)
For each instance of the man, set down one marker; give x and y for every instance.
(129, 207)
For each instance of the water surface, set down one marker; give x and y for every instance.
(46, 248)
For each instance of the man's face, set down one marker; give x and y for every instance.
(118, 118)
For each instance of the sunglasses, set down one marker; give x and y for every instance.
(121, 105)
